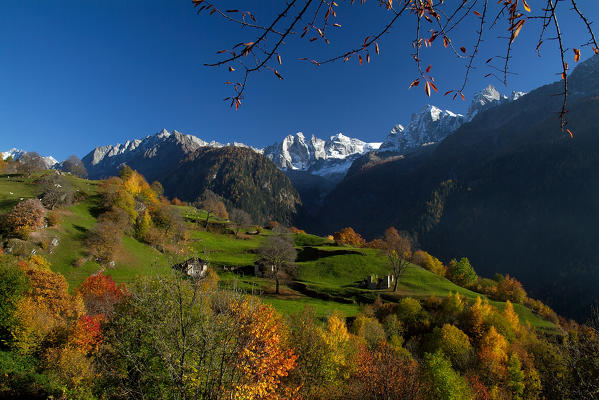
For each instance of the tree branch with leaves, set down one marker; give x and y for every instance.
(313, 20)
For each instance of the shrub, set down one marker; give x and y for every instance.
(19, 247)
(25, 217)
(57, 191)
(53, 218)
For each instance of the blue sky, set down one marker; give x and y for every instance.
(77, 74)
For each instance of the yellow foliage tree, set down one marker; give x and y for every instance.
(46, 306)
(263, 359)
(427, 261)
(493, 356)
(337, 339)
(510, 315)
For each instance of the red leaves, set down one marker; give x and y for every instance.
(277, 74)
(570, 133)
(100, 293)
(463, 49)
(576, 55)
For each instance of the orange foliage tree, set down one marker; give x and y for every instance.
(511, 289)
(100, 293)
(349, 237)
(47, 305)
(25, 217)
(493, 356)
(262, 360)
(382, 374)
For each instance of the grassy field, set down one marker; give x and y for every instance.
(328, 276)
(15, 187)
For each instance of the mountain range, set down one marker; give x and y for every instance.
(502, 184)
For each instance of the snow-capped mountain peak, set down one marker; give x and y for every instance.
(489, 97)
(18, 153)
(316, 155)
(430, 125)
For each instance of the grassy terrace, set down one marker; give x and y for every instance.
(328, 276)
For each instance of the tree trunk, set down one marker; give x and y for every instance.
(277, 284)
(395, 284)
(207, 218)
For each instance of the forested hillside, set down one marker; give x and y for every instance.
(99, 300)
(509, 189)
(244, 178)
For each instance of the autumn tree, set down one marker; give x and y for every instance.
(25, 217)
(13, 284)
(277, 256)
(348, 236)
(212, 204)
(240, 219)
(369, 329)
(174, 338)
(383, 374)
(157, 188)
(100, 294)
(398, 248)
(46, 306)
(511, 289)
(493, 356)
(312, 354)
(455, 344)
(429, 262)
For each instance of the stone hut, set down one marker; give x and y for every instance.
(375, 283)
(194, 267)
